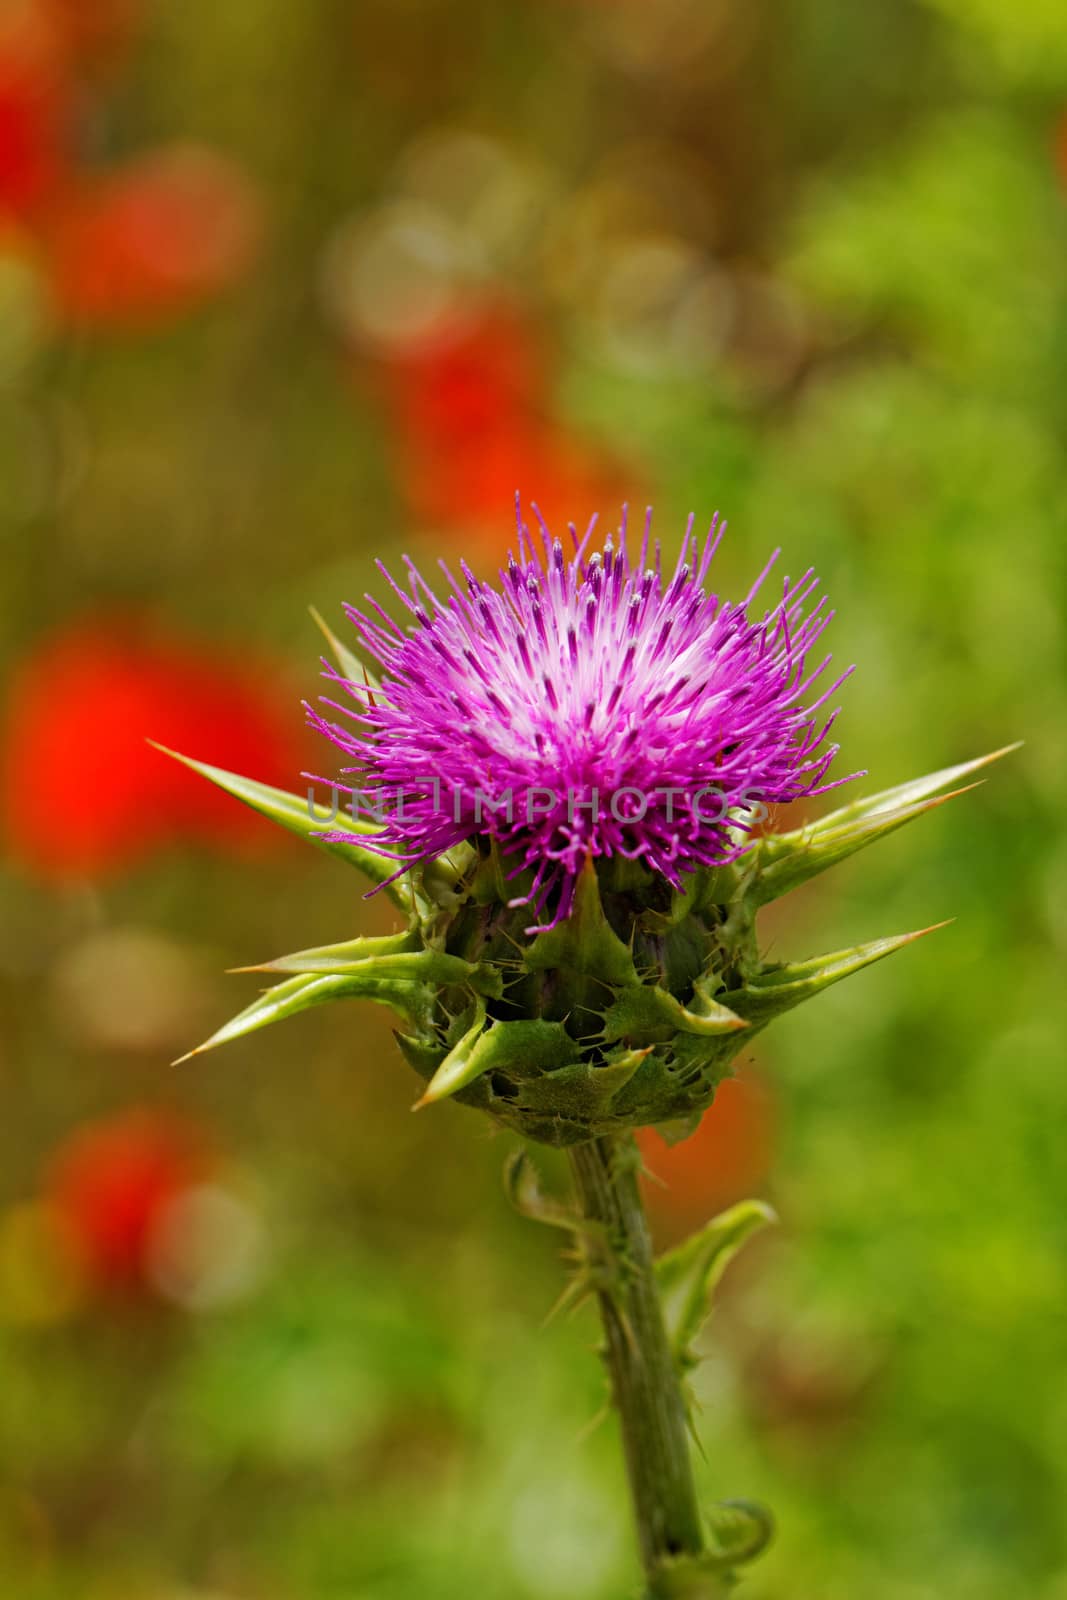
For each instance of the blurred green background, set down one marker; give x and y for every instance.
(284, 287)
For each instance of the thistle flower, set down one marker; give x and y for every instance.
(580, 955)
(568, 772)
(586, 708)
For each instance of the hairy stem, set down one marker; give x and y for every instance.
(644, 1382)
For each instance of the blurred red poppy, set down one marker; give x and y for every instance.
(157, 238)
(84, 794)
(474, 486)
(471, 427)
(110, 1186)
(727, 1159)
(33, 112)
(469, 380)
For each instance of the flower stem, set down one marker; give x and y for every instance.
(644, 1380)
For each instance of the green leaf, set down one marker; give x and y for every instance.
(524, 1050)
(425, 1054)
(617, 1070)
(779, 989)
(738, 1532)
(527, 1048)
(300, 993)
(341, 957)
(708, 1017)
(584, 946)
(459, 1066)
(909, 794)
(688, 1274)
(398, 959)
(522, 1185)
(778, 863)
(649, 1015)
(292, 813)
(782, 862)
(580, 1091)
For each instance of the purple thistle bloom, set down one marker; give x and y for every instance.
(586, 707)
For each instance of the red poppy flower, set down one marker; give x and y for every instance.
(470, 423)
(474, 486)
(471, 381)
(727, 1159)
(33, 113)
(110, 1186)
(84, 794)
(157, 238)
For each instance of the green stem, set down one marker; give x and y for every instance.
(644, 1381)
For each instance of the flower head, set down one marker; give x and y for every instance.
(590, 706)
(604, 735)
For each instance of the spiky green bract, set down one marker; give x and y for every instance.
(629, 1012)
(780, 862)
(297, 816)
